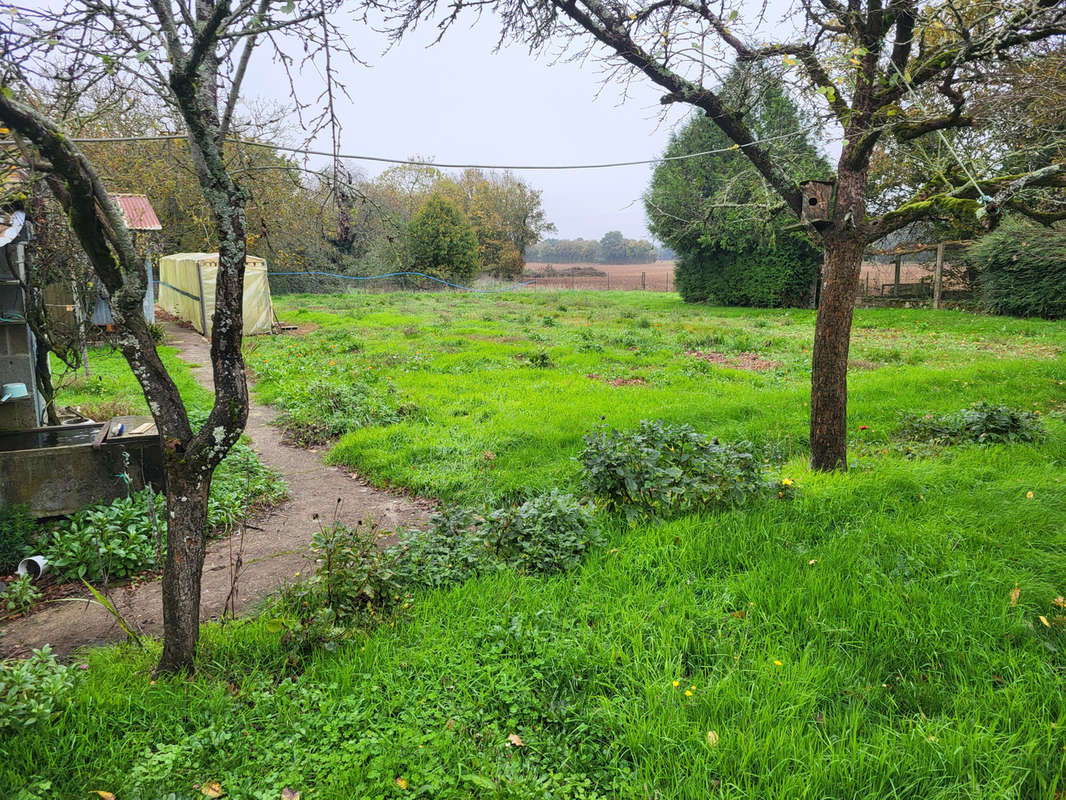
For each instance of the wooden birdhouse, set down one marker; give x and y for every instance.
(817, 202)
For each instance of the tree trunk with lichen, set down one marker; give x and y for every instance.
(190, 457)
(844, 245)
(186, 526)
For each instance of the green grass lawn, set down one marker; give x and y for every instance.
(858, 641)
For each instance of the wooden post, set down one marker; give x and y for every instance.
(895, 279)
(938, 275)
(644, 280)
(571, 278)
(608, 279)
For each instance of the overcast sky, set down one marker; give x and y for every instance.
(459, 102)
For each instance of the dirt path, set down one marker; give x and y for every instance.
(271, 556)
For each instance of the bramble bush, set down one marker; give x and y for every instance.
(546, 534)
(358, 583)
(661, 470)
(981, 423)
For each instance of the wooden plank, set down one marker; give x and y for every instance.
(938, 275)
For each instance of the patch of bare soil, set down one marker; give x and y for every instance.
(638, 381)
(270, 551)
(747, 361)
(862, 363)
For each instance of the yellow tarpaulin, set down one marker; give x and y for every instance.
(187, 290)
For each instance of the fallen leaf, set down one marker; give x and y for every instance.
(516, 740)
(712, 738)
(1015, 593)
(105, 795)
(1028, 495)
(1044, 620)
(289, 794)
(402, 783)
(1059, 601)
(738, 614)
(812, 562)
(450, 724)
(212, 789)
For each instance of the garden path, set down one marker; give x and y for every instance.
(275, 546)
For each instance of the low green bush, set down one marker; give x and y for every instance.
(118, 539)
(104, 541)
(33, 690)
(981, 423)
(17, 528)
(20, 595)
(548, 533)
(321, 410)
(354, 576)
(661, 470)
(448, 552)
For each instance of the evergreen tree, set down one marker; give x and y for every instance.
(719, 215)
(442, 242)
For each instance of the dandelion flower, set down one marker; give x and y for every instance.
(676, 684)
(777, 663)
(688, 693)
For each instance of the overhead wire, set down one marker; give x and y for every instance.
(419, 163)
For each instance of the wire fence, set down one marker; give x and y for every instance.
(315, 282)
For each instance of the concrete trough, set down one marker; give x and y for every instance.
(62, 469)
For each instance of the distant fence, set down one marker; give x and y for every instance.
(655, 280)
(917, 273)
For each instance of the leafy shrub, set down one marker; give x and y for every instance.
(548, 533)
(981, 423)
(32, 691)
(113, 540)
(541, 360)
(354, 575)
(448, 552)
(316, 412)
(20, 595)
(660, 470)
(118, 539)
(17, 527)
(1021, 270)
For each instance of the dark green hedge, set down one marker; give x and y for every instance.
(764, 277)
(1021, 270)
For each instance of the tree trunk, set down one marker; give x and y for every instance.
(186, 533)
(844, 245)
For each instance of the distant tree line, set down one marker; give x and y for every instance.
(613, 248)
(330, 219)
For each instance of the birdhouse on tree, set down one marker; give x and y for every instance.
(817, 202)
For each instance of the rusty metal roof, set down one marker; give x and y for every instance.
(139, 214)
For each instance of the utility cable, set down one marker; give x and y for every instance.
(416, 163)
